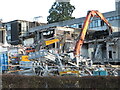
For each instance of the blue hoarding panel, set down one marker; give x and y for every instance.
(95, 73)
(103, 73)
(4, 61)
(100, 73)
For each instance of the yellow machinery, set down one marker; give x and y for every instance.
(69, 73)
(51, 41)
(24, 58)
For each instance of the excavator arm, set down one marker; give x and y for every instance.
(90, 15)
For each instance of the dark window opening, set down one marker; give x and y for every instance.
(110, 54)
(19, 28)
(48, 34)
(66, 32)
(102, 23)
(80, 26)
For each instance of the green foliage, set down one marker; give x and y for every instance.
(60, 11)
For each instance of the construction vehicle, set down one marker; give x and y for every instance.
(90, 15)
(80, 61)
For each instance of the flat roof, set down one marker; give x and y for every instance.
(69, 22)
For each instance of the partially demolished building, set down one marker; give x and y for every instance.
(98, 45)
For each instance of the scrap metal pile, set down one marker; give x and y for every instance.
(50, 63)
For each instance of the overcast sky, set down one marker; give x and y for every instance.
(28, 9)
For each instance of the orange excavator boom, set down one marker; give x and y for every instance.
(91, 14)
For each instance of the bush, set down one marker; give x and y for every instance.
(19, 81)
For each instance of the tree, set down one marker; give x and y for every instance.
(60, 11)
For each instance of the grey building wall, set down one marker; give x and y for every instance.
(14, 34)
(84, 51)
(118, 11)
(118, 45)
(117, 3)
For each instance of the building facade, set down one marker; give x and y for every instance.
(16, 29)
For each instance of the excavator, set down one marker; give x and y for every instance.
(89, 17)
(79, 43)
